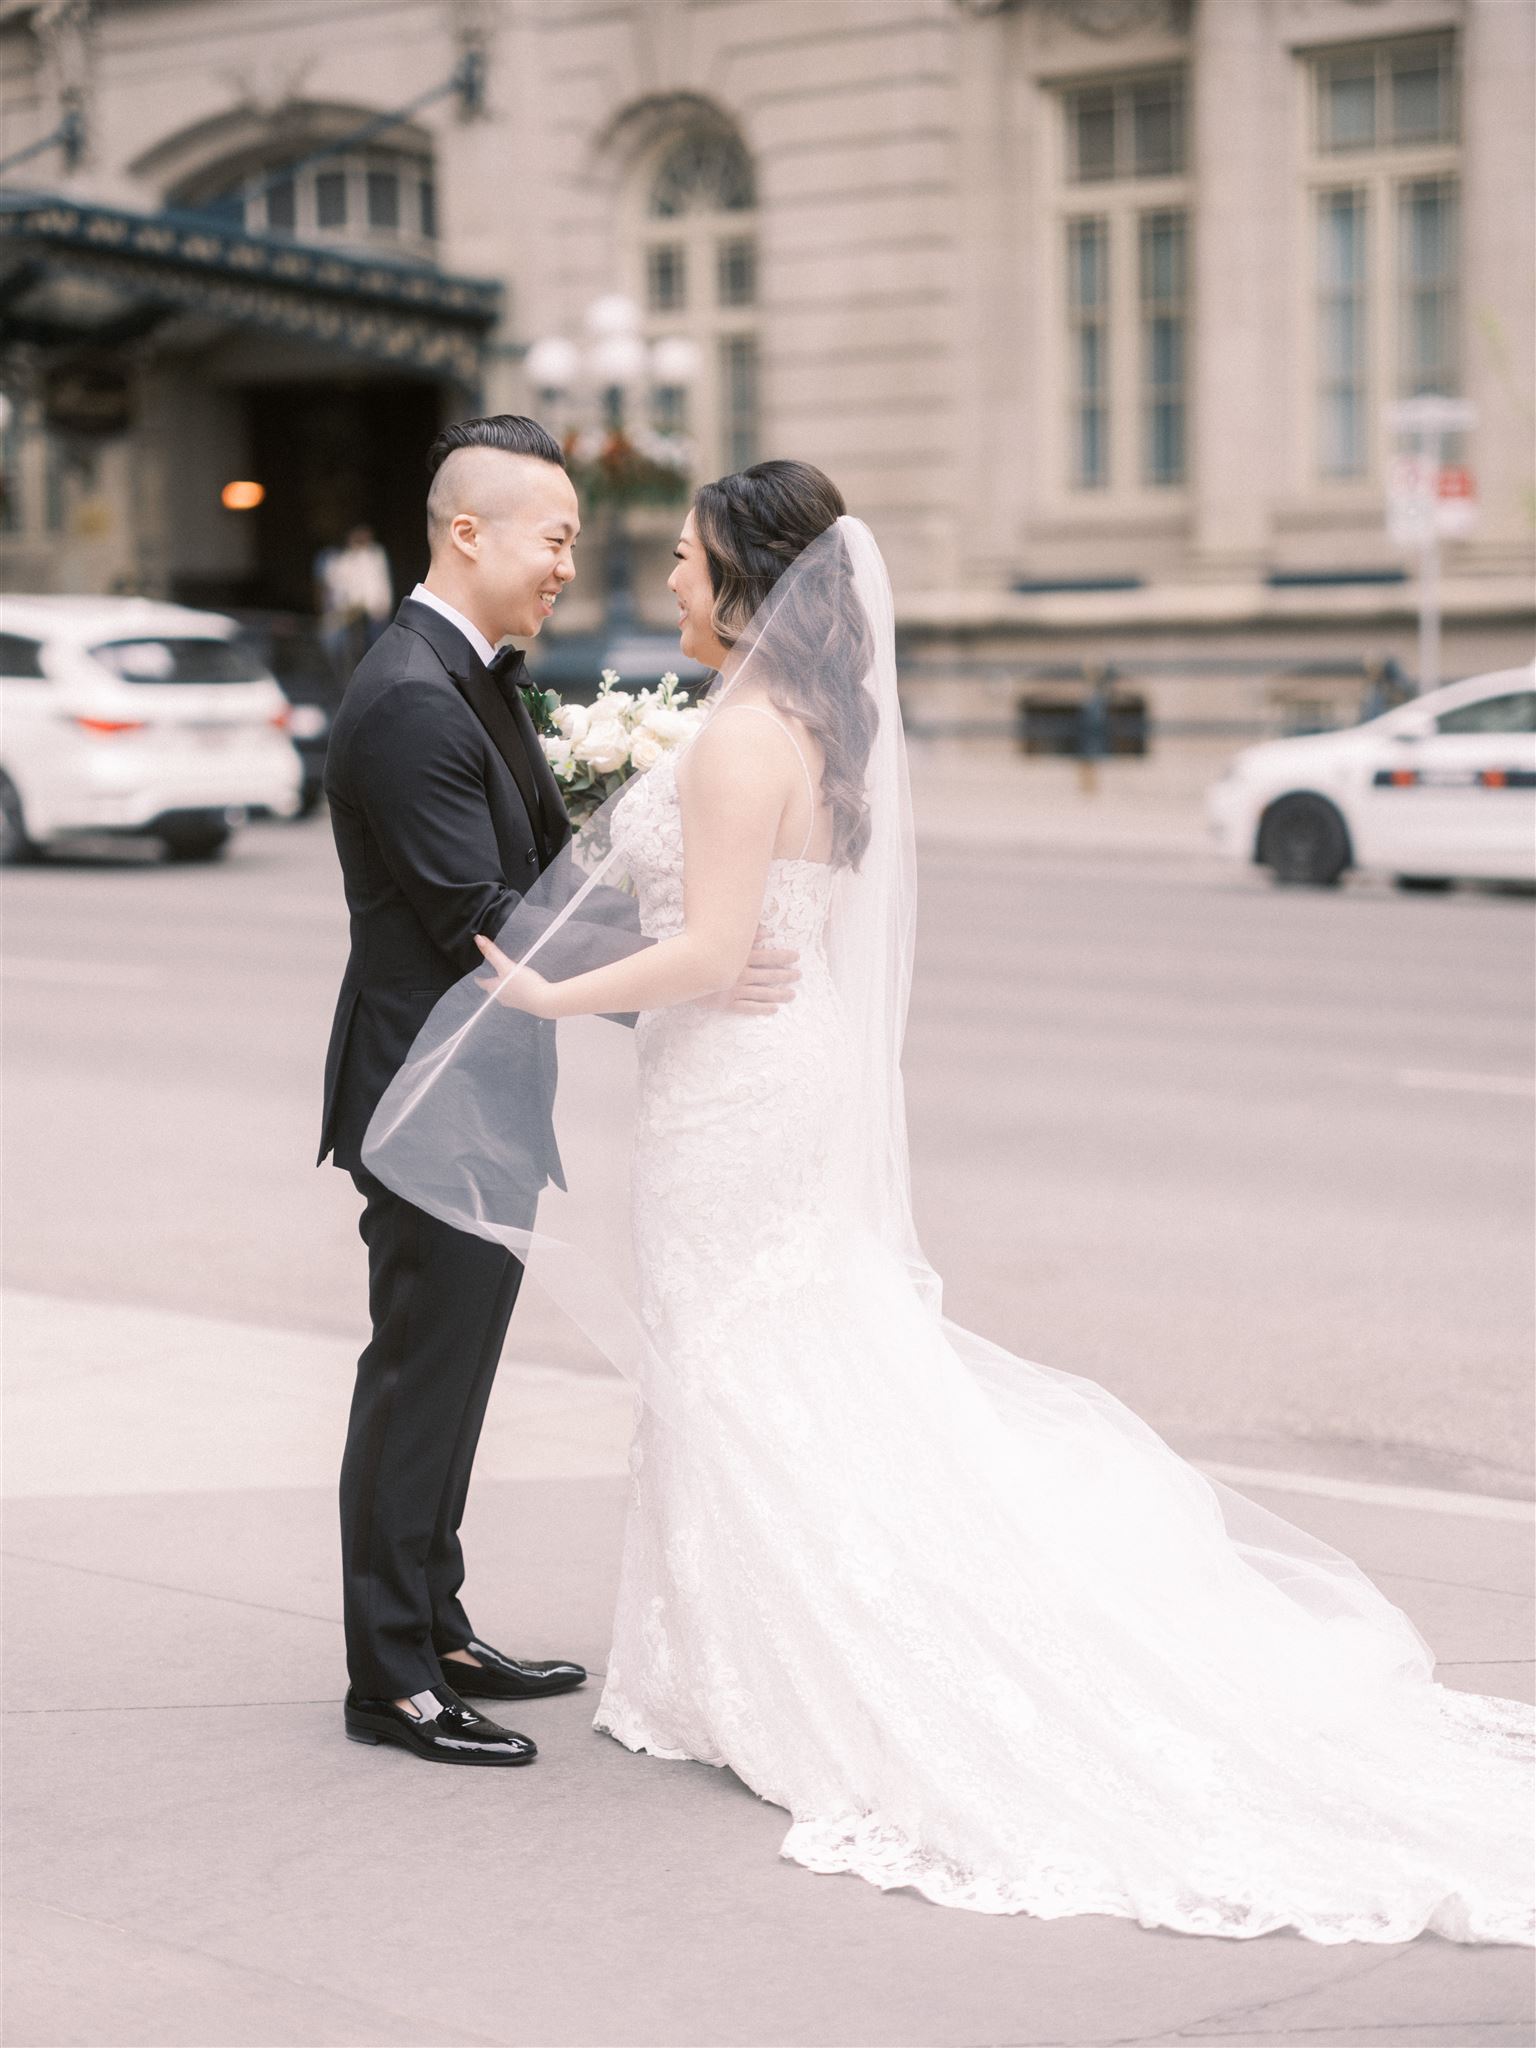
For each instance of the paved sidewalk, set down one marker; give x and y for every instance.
(198, 1857)
(985, 794)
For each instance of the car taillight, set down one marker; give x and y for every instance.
(110, 725)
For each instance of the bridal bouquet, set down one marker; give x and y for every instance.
(595, 748)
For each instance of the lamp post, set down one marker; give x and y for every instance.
(1428, 503)
(593, 389)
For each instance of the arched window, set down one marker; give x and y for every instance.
(697, 263)
(382, 199)
(702, 172)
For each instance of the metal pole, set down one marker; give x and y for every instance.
(67, 137)
(1093, 727)
(1429, 568)
(1414, 515)
(1429, 612)
(619, 587)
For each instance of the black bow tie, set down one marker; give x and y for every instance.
(504, 660)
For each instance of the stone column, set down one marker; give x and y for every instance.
(1498, 213)
(1243, 186)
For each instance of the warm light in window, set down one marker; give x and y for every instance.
(242, 496)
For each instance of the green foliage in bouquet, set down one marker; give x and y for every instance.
(595, 748)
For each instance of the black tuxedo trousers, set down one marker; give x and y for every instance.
(443, 810)
(439, 1301)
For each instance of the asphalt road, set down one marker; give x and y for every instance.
(1259, 1161)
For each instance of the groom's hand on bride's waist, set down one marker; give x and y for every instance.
(767, 982)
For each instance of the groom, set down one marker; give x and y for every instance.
(444, 811)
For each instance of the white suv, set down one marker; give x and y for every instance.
(119, 714)
(1439, 790)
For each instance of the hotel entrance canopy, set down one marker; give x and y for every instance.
(74, 274)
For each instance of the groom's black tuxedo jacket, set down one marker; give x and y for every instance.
(444, 811)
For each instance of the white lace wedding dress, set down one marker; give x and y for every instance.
(978, 1629)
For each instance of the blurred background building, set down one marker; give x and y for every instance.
(1092, 307)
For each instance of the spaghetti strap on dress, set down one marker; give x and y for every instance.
(805, 767)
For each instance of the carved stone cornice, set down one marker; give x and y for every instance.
(1102, 18)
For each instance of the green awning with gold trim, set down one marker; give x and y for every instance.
(141, 269)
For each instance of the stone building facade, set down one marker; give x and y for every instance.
(1092, 307)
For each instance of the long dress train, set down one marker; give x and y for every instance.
(973, 1624)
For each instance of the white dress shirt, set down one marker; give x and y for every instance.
(472, 633)
(357, 580)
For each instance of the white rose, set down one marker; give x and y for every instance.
(573, 719)
(666, 725)
(618, 702)
(605, 746)
(645, 752)
(557, 752)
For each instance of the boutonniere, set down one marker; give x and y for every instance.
(542, 706)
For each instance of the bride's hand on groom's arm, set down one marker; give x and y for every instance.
(514, 987)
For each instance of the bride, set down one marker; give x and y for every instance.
(969, 1620)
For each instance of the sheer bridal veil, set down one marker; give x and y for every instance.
(474, 1130)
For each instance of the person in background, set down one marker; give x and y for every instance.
(357, 598)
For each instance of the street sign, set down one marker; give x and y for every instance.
(1429, 500)
(1426, 498)
(1455, 502)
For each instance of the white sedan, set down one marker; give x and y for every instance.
(1440, 789)
(120, 714)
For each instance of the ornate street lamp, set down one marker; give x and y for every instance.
(603, 395)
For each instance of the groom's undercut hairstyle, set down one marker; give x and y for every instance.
(504, 433)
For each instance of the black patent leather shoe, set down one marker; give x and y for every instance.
(508, 1678)
(448, 1732)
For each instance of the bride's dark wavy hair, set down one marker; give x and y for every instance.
(751, 526)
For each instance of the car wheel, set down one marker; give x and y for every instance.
(194, 841)
(1423, 884)
(1304, 841)
(15, 846)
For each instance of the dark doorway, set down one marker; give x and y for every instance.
(333, 456)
